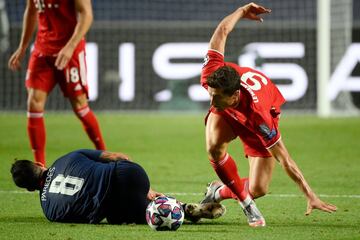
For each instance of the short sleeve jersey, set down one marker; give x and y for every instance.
(76, 186)
(260, 99)
(57, 20)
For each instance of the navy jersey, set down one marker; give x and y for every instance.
(75, 187)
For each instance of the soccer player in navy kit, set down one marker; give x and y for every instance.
(86, 186)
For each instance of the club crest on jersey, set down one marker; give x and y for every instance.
(266, 132)
(206, 60)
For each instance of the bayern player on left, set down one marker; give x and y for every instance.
(58, 57)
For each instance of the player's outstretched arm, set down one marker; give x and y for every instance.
(280, 152)
(250, 11)
(28, 28)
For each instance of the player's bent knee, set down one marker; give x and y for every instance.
(258, 191)
(215, 153)
(34, 104)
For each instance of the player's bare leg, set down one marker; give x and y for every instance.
(88, 119)
(35, 123)
(260, 174)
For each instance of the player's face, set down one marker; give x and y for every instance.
(221, 101)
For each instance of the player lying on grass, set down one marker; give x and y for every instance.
(245, 104)
(87, 186)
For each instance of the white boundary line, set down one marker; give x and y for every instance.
(282, 195)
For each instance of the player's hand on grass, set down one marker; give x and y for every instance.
(252, 10)
(316, 203)
(153, 194)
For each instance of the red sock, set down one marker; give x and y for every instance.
(226, 193)
(91, 126)
(37, 135)
(227, 171)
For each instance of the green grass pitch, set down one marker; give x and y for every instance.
(171, 148)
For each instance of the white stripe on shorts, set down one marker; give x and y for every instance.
(82, 68)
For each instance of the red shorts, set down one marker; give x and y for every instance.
(252, 143)
(43, 75)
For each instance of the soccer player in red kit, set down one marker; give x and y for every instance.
(58, 58)
(245, 104)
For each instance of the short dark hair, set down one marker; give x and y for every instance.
(25, 174)
(225, 78)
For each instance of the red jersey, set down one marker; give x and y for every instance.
(260, 100)
(56, 24)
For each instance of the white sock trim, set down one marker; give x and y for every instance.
(83, 112)
(223, 161)
(35, 114)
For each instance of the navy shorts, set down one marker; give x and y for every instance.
(127, 201)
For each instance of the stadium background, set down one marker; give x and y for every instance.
(170, 146)
(137, 82)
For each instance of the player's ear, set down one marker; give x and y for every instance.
(236, 93)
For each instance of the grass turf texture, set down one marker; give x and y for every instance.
(171, 148)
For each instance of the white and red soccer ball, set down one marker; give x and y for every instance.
(164, 213)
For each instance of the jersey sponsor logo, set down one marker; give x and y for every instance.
(41, 5)
(48, 179)
(266, 132)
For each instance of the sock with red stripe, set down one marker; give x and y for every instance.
(227, 172)
(37, 135)
(91, 126)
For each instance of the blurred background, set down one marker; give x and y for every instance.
(147, 55)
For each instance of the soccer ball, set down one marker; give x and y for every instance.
(164, 213)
